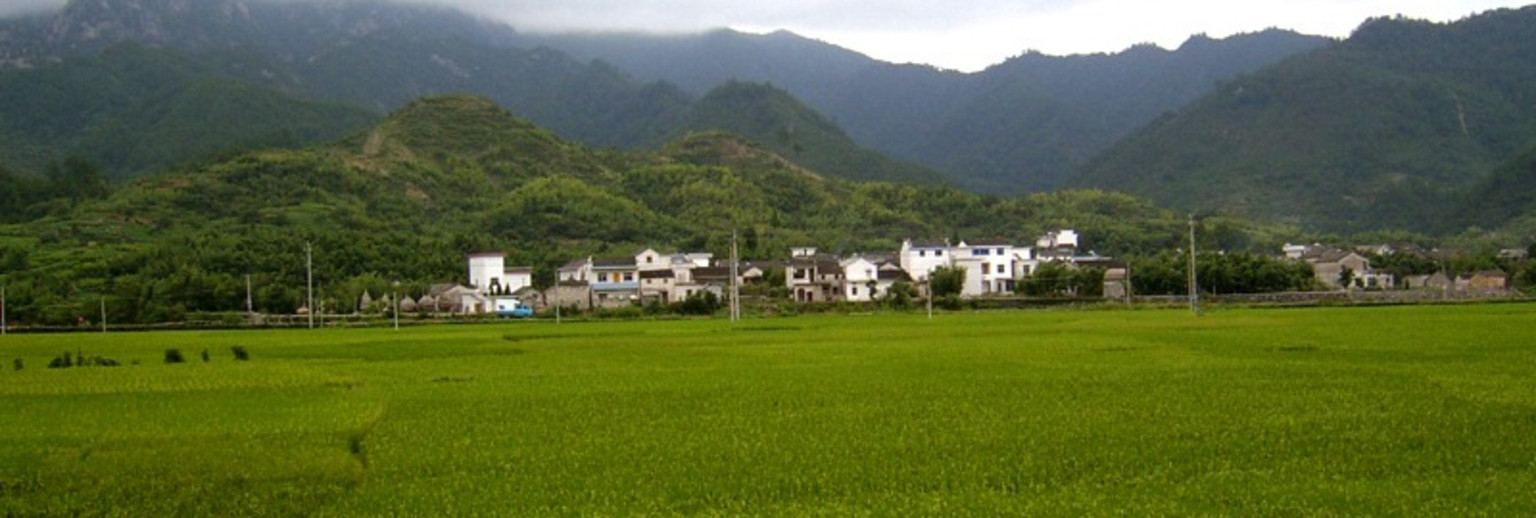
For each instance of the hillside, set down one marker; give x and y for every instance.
(770, 116)
(1505, 198)
(133, 110)
(1384, 130)
(373, 55)
(1023, 125)
(448, 175)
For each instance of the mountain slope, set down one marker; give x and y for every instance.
(1026, 124)
(133, 110)
(1500, 198)
(772, 117)
(1377, 132)
(448, 175)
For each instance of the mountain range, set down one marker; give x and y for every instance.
(1402, 125)
(1387, 129)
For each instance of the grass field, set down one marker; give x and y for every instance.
(1344, 411)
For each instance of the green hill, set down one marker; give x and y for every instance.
(444, 176)
(1384, 130)
(133, 110)
(1508, 196)
(772, 117)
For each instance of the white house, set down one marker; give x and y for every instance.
(486, 270)
(861, 279)
(995, 273)
(920, 258)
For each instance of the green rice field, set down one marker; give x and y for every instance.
(1427, 410)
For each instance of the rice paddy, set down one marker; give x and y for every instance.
(1324, 411)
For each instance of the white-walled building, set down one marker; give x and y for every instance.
(920, 258)
(485, 270)
(861, 279)
(996, 273)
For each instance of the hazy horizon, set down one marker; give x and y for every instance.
(966, 35)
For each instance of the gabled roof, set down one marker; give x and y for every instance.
(613, 262)
(989, 242)
(437, 290)
(574, 265)
(657, 274)
(1329, 255)
(712, 272)
(893, 275)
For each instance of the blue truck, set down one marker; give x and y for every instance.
(512, 308)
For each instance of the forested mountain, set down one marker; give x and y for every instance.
(132, 110)
(1506, 198)
(1024, 125)
(444, 176)
(771, 117)
(1385, 130)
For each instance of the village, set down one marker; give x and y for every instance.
(991, 268)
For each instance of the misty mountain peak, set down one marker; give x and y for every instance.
(196, 23)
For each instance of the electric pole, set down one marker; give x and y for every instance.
(103, 314)
(928, 284)
(2, 311)
(735, 284)
(309, 275)
(557, 296)
(250, 306)
(1194, 284)
(395, 299)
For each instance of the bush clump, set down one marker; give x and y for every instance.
(240, 353)
(174, 356)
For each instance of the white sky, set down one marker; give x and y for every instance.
(959, 34)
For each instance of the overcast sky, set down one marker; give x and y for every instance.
(959, 34)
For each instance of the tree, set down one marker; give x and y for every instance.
(946, 281)
(1346, 277)
(1050, 278)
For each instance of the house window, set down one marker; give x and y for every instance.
(1001, 269)
(854, 291)
(629, 277)
(922, 253)
(649, 259)
(938, 253)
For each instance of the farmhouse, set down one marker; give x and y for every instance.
(1343, 269)
(646, 277)
(992, 267)
(490, 283)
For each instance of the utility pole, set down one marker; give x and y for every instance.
(557, 296)
(3, 329)
(103, 314)
(1194, 284)
(250, 306)
(309, 275)
(928, 284)
(395, 300)
(735, 285)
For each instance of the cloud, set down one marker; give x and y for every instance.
(962, 34)
(10, 8)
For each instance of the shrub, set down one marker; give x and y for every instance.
(240, 353)
(205, 356)
(174, 356)
(18, 364)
